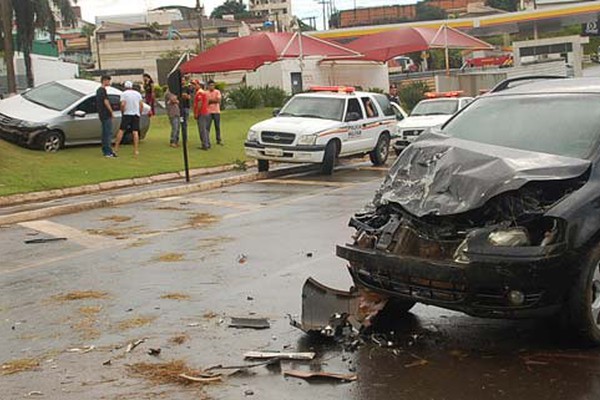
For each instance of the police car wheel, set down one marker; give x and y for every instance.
(329, 159)
(380, 153)
(263, 165)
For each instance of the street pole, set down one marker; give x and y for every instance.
(200, 10)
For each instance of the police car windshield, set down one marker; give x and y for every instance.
(435, 107)
(561, 124)
(314, 107)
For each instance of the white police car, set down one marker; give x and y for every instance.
(324, 124)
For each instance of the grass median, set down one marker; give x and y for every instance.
(24, 170)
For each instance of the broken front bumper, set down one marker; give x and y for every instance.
(484, 289)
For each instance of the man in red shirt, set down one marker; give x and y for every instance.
(202, 114)
(214, 109)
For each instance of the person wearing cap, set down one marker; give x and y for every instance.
(393, 94)
(132, 106)
(201, 114)
(214, 109)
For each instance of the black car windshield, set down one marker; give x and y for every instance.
(53, 96)
(561, 124)
(435, 107)
(314, 107)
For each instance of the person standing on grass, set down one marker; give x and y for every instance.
(187, 95)
(174, 114)
(132, 106)
(105, 113)
(149, 92)
(201, 114)
(214, 109)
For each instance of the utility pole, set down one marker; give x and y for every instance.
(200, 11)
(326, 7)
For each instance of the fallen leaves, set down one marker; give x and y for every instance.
(203, 219)
(80, 295)
(21, 365)
(170, 257)
(179, 339)
(176, 296)
(171, 372)
(116, 218)
(135, 322)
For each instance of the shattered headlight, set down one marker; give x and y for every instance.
(253, 135)
(511, 237)
(307, 140)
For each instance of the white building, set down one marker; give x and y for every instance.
(278, 11)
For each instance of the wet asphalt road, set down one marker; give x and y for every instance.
(172, 266)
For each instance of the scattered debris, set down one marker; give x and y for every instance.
(282, 356)
(45, 240)
(133, 345)
(170, 257)
(249, 392)
(309, 255)
(16, 366)
(154, 352)
(119, 233)
(238, 368)
(200, 219)
(165, 373)
(242, 259)
(321, 375)
(179, 339)
(81, 295)
(82, 350)
(176, 296)
(202, 379)
(116, 218)
(417, 363)
(250, 298)
(107, 362)
(251, 323)
(35, 393)
(210, 315)
(135, 322)
(194, 324)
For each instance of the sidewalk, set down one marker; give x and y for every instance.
(66, 204)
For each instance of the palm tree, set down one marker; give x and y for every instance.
(6, 26)
(32, 15)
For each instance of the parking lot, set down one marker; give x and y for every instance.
(174, 270)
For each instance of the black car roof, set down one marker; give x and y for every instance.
(571, 85)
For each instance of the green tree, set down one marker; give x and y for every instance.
(32, 15)
(231, 7)
(506, 5)
(425, 12)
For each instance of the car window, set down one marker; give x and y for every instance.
(385, 105)
(53, 96)
(559, 124)
(370, 108)
(115, 102)
(354, 107)
(314, 107)
(435, 107)
(88, 106)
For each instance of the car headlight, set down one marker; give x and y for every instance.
(307, 140)
(252, 135)
(512, 237)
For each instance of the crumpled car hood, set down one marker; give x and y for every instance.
(441, 175)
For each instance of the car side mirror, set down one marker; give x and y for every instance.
(79, 114)
(276, 112)
(352, 116)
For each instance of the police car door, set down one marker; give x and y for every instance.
(371, 126)
(354, 119)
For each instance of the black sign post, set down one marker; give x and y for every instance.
(174, 83)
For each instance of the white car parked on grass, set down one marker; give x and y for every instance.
(324, 124)
(434, 111)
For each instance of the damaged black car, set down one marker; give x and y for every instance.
(496, 213)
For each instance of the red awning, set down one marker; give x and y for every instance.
(386, 45)
(250, 52)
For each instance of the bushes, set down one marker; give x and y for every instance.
(412, 93)
(250, 97)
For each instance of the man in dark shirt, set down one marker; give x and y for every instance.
(187, 97)
(393, 94)
(105, 114)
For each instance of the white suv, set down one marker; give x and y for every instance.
(322, 125)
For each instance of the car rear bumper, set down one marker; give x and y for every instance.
(291, 154)
(480, 289)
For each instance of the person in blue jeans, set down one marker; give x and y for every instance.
(105, 113)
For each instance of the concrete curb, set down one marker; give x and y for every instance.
(110, 201)
(16, 199)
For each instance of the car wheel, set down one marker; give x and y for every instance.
(331, 151)
(51, 141)
(584, 300)
(263, 165)
(380, 153)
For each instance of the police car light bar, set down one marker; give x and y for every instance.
(436, 95)
(339, 89)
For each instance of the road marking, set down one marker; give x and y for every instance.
(306, 182)
(222, 203)
(74, 235)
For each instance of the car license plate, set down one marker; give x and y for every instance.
(274, 152)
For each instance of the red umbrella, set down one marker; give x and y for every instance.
(250, 52)
(386, 45)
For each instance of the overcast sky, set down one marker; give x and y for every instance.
(301, 8)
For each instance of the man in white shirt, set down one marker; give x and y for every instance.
(132, 106)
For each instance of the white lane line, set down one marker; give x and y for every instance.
(74, 235)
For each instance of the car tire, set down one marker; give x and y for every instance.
(263, 165)
(51, 141)
(380, 153)
(330, 157)
(584, 300)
